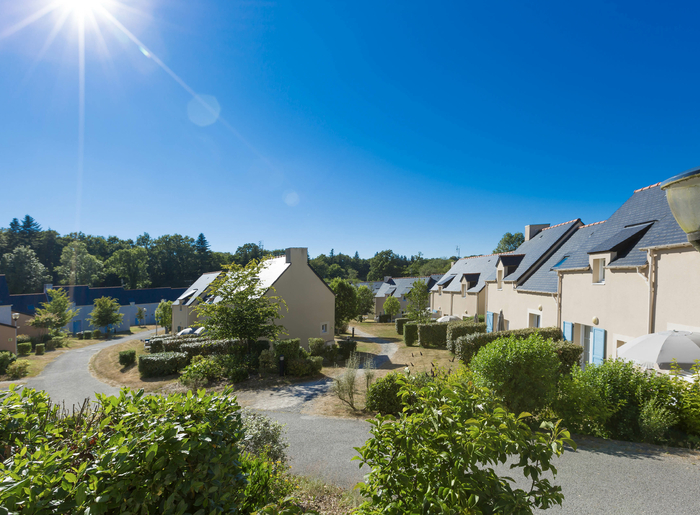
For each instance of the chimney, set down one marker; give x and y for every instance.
(387, 278)
(533, 230)
(296, 254)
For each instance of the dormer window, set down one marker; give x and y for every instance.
(464, 290)
(500, 279)
(599, 271)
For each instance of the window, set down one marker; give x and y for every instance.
(464, 290)
(599, 271)
(324, 328)
(500, 279)
(534, 320)
(439, 290)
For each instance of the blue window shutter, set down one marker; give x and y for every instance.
(568, 331)
(489, 322)
(598, 346)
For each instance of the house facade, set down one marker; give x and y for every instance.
(310, 302)
(399, 287)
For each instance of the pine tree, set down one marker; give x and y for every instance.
(14, 235)
(203, 254)
(29, 231)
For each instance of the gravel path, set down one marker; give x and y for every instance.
(67, 379)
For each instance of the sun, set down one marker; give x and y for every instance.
(81, 6)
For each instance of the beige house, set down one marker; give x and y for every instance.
(523, 306)
(310, 302)
(613, 281)
(399, 287)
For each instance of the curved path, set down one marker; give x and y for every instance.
(601, 477)
(67, 379)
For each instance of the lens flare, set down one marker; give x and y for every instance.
(81, 6)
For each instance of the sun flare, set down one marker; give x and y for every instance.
(81, 6)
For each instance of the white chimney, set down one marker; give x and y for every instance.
(533, 230)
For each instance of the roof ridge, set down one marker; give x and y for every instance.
(559, 225)
(647, 187)
(594, 223)
(486, 255)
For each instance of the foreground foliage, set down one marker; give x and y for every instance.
(446, 448)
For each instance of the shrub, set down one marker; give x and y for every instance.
(40, 348)
(6, 358)
(569, 354)
(317, 346)
(264, 437)
(23, 338)
(400, 323)
(332, 352)
(655, 419)
(96, 334)
(344, 386)
(316, 363)
(18, 369)
(213, 348)
(690, 407)
(522, 372)
(459, 328)
(163, 364)
(466, 347)
(581, 406)
(346, 348)
(266, 361)
(152, 453)
(23, 349)
(255, 349)
(384, 319)
(410, 334)
(300, 367)
(432, 335)
(201, 371)
(51, 345)
(383, 395)
(127, 357)
(79, 335)
(447, 449)
(287, 348)
(237, 373)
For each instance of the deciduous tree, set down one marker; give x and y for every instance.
(24, 272)
(345, 301)
(105, 312)
(164, 314)
(392, 306)
(509, 242)
(58, 306)
(365, 301)
(78, 266)
(418, 302)
(130, 265)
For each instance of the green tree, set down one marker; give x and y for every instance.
(336, 271)
(14, 234)
(164, 314)
(172, 261)
(365, 301)
(386, 263)
(45, 321)
(418, 302)
(58, 306)
(345, 301)
(509, 242)
(203, 252)
(23, 271)
(29, 232)
(320, 265)
(78, 266)
(130, 265)
(140, 315)
(392, 306)
(245, 309)
(105, 312)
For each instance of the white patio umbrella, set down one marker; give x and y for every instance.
(501, 322)
(662, 348)
(448, 318)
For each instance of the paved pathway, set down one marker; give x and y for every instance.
(67, 379)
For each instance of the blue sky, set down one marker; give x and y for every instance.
(355, 125)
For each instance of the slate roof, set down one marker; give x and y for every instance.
(372, 285)
(400, 286)
(623, 232)
(477, 266)
(196, 289)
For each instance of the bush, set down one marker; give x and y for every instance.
(432, 335)
(344, 385)
(383, 395)
(690, 407)
(332, 353)
(264, 437)
(301, 367)
(213, 348)
(316, 363)
(6, 358)
(655, 419)
(449, 445)
(459, 328)
(384, 319)
(24, 338)
(18, 369)
(23, 349)
(127, 357)
(266, 361)
(162, 364)
(399, 322)
(40, 348)
(237, 373)
(287, 348)
(96, 334)
(51, 345)
(569, 354)
(317, 346)
(201, 371)
(466, 347)
(522, 372)
(152, 454)
(79, 335)
(410, 334)
(346, 348)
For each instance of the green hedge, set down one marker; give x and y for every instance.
(40, 348)
(127, 357)
(300, 367)
(383, 396)
(347, 347)
(287, 348)
(23, 349)
(432, 335)
(317, 346)
(460, 328)
(23, 338)
(569, 354)
(6, 358)
(162, 364)
(384, 319)
(400, 322)
(214, 347)
(466, 347)
(410, 334)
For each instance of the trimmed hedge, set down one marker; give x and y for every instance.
(23, 338)
(384, 319)
(300, 367)
(466, 347)
(569, 354)
(460, 328)
(24, 348)
(410, 334)
(287, 348)
(432, 335)
(163, 364)
(400, 323)
(51, 345)
(214, 347)
(383, 396)
(127, 357)
(347, 347)
(40, 348)
(317, 346)
(6, 359)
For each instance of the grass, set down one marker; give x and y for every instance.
(384, 331)
(314, 494)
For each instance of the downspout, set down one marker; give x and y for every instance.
(559, 285)
(652, 290)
